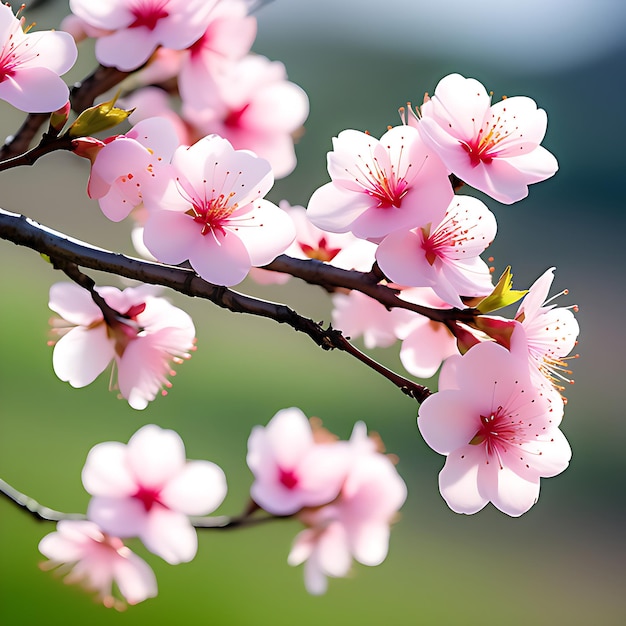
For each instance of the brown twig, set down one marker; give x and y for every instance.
(217, 522)
(63, 250)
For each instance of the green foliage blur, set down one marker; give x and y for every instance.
(561, 563)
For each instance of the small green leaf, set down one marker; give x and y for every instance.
(502, 294)
(98, 118)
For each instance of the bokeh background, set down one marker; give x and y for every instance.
(561, 563)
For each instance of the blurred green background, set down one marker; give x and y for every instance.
(561, 563)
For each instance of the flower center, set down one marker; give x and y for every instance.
(212, 213)
(322, 252)
(9, 57)
(388, 188)
(448, 235)
(288, 478)
(484, 147)
(125, 328)
(147, 13)
(234, 116)
(148, 497)
(497, 432)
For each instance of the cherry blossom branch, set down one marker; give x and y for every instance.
(45, 146)
(67, 254)
(30, 505)
(217, 522)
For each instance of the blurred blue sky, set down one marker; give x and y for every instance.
(540, 35)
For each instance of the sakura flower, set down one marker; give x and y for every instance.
(147, 489)
(255, 107)
(356, 314)
(291, 470)
(356, 524)
(494, 148)
(130, 165)
(137, 27)
(342, 250)
(98, 561)
(213, 213)
(444, 255)
(31, 65)
(498, 429)
(551, 332)
(426, 344)
(141, 333)
(379, 186)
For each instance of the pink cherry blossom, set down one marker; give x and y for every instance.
(356, 315)
(494, 148)
(98, 561)
(131, 165)
(355, 525)
(291, 470)
(255, 107)
(213, 214)
(379, 186)
(342, 250)
(145, 334)
(444, 256)
(425, 343)
(31, 65)
(551, 332)
(147, 489)
(498, 429)
(137, 27)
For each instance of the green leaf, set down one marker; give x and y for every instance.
(98, 118)
(502, 295)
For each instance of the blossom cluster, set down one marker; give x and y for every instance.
(136, 329)
(212, 127)
(346, 493)
(145, 489)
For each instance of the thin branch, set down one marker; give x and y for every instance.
(218, 522)
(38, 511)
(63, 250)
(45, 146)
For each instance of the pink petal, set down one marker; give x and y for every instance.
(169, 235)
(169, 535)
(125, 49)
(333, 552)
(447, 421)
(266, 232)
(371, 543)
(155, 456)
(334, 208)
(403, 259)
(458, 480)
(197, 490)
(281, 107)
(507, 490)
(81, 355)
(55, 50)
(74, 304)
(121, 517)
(34, 90)
(106, 472)
(426, 347)
(134, 578)
(221, 259)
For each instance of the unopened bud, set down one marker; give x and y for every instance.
(58, 119)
